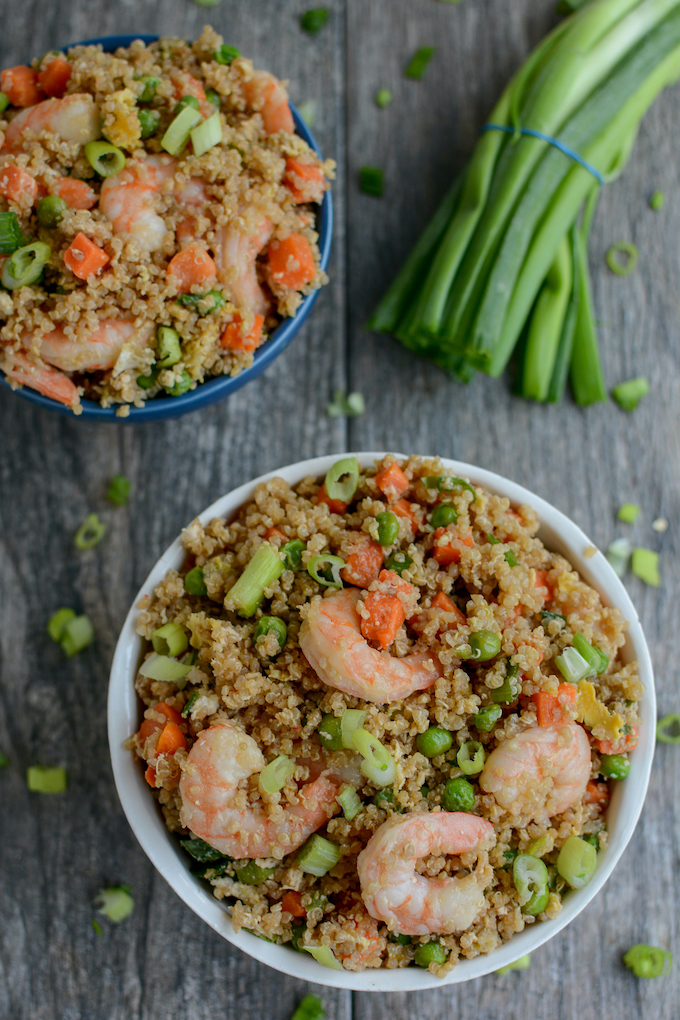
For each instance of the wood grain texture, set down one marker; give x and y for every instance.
(163, 963)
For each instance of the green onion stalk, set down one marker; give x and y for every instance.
(504, 260)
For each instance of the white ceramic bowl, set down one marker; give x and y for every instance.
(559, 534)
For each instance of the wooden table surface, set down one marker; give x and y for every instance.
(163, 963)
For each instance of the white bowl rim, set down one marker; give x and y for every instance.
(162, 848)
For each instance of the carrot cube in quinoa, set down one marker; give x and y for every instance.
(20, 85)
(550, 708)
(305, 181)
(77, 194)
(235, 339)
(84, 258)
(15, 182)
(448, 544)
(386, 617)
(363, 565)
(392, 482)
(54, 78)
(191, 267)
(291, 262)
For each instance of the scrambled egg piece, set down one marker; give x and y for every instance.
(593, 713)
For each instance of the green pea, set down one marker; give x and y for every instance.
(487, 717)
(443, 515)
(614, 766)
(147, 381)
(385, 799)
(252, 874)
(330, 733)
(388, 528)
(431, 952)
(459, 795)
(398, 562)
(401, 940)
(149, 90)
(434, 741)
(148, 122)
(4, 102)
(267, 623)
(226, 54)
(484, 645)
(292, 554)
(185, 101)
(297, 934)
(593, 839)
(213, 98)
(180, 386)
(194, 583)
(50, 210)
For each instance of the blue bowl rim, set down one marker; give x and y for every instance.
(220, 387)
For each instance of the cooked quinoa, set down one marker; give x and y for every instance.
(483, 573)
(245, 210)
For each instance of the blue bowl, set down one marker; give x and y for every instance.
(212, 390)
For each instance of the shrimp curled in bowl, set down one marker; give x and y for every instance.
(335, 648)
(224, 756)
(414, 904)
(542, 770)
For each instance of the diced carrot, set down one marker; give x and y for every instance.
(77, 194)
(402, 508)
(150, 726)
(392, 482)
(191, 267)
(397, 582)
(625, 743)
(20, 85)
(386, 617)
(54, 78)
(15, 182)
(541, 581)
(291, 262)
(550, 707)
(84, 258)
(305, 181)
(363, 565)
(291, 902)
(596, 793)
(450, 551)
(336, 506)
(171, 739)
(150, 776)
(275, 533)
(236, 340)
(443, 602)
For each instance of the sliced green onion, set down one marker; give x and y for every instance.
(4, 760)
(351, 406)
(176, 137)
(90, 533)
(41, 779)
(350, 802)
(342, 479)
(378, 765)
(326, 570)
(4, 102)
(78, 634)
(628, 513)
(311, 1008)
(149, 91)
(576, 862)
(97, 927)
(148, 122)
(645, 565)
(648, 961)
(307, 110)
(292, 554)
(10, 232)
(213, 98)
(657, 201)
(194, 583)
(594, 656)
(147, 381)
(546, 617)
(200, 850)
(371, 181)
(668, 729)
(510, 558)
(572, 665)
(487, 717)
(163, 668)
(318, 856)
(115, 903)
(105, 159)
(522, 964)
(351, 720)
(531, 880)
(168, 350)
(330, 733)
(471, 757)
(491, 539)
(324, 956)
(383, 98)
(538, 847)
(398, 562)
(170, 639)
(629, 394)
(388, 527)
(509, 690)
(622, 258)
(207, 134)
(118, 491)
(203, 304)
(618, 555)
(614, 766)
(50, 210)
(193, 698)
(418, 62)
(273, 776)
(252, 874)
(226, 54)
(261, 572)
(180, 386)
(268, 623)
(313, 21)
(447, 483)
(25, 266)
(57, 623)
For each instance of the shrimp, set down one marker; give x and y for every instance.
(98, 352)
(222, 757)
(265, 94)
(74, 119)
(236, 250)
(43, 378)
(332, 643)
(414, 904)
(127, 200)
(543, 770)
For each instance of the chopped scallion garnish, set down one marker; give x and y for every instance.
(618, 555)
(325, 570)
(77, 635)
(378, 765)
(342, 479)
(176, 137)
(350, 802)
(200, 850)
(371, 181)
(572, 665)
(193, 698)
(324, 956)
(164, 669)
(207, 134)
(383, 98)
(668, 729)
(628, 513)
(263, 569)
(352, 719)
(11, 236)
(115, 903)
(629, 394)
(311, 1008)
(318, 856)
(622, 258)
(313, 21)
(648, 961)
(118, 491)
(418, 62)
(645, 565)
(45, 780)
(90, 533)
(350, 406)
(170, 639)
(273, 776)
(194, 583)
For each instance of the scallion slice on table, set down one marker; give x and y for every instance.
(629, 394)
(273, 776)
(383, 98)
(371, 181)
(648, 961)
(57, 623)
(523, 963)
(668, 729)
(318, 856)
(314, 20)
(644, 564)
(41, 779)
(349, 406)
(622, 258)
(119, 490)
(77, 635)
(115, 903)
(90, 533)
(618, 555)
(417, 65)
(311, 1008)
(263, 569)
(657, 201)
(4, 760)
(307, 110)
(628, 513)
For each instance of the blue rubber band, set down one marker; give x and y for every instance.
(552, 141)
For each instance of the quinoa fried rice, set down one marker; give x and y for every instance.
(218, 246)
(461, 564)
